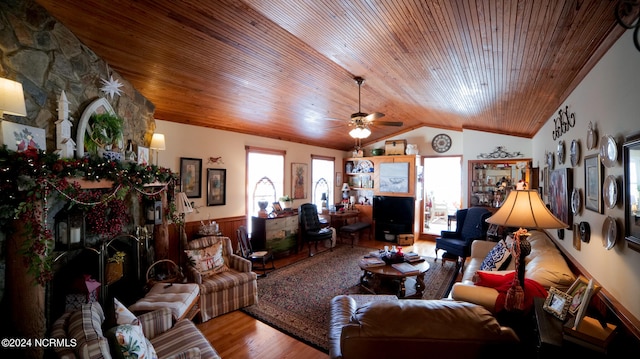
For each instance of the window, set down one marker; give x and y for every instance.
(322, 179)
(265, 179)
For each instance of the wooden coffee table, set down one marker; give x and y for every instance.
(386, 279)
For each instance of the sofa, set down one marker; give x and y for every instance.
(415, 328)
(226, 282)
(168, 340)
(544, 265)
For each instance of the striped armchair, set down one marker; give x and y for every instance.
(225, 291)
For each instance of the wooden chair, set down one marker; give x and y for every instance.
(259, 258)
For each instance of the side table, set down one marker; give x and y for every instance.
(549, 336)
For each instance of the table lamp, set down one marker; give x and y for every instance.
(345, 192)
(523, 209)
(157, 144)
(324, 200)
(11, 98)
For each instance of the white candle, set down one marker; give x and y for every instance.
(75, 235)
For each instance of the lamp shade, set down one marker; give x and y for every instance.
(360, 131)
(345, 187)
(525, 209)
(183, 206)
(11, 98)
(324, 196)
(157, 142)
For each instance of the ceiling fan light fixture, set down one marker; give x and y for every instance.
(360, 132)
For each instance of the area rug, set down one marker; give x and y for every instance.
(296, 299)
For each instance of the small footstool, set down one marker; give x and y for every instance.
(181, 298)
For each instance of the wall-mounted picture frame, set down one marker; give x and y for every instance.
(190, 176)
(216, 186)
(299, 180)
(338, 181)
(557, 303)
(560, 187)
(143, 155)
(394, 177)
(577, 291)
(631, 160)
(593, 183)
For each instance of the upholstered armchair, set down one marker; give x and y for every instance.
(226, 280)
(470, 225)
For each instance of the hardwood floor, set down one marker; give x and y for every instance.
(237, 335)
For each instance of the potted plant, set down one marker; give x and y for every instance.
(286, 201)
(105, 131)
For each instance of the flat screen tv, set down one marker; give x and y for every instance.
(393, 209)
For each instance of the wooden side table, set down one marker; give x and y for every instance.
(550, 343)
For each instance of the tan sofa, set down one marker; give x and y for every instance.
(415, 328)
(544, 264)
(84, 326)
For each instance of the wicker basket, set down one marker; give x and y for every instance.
(171, 273)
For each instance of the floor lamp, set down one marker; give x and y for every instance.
(183, 206)
(523, 209)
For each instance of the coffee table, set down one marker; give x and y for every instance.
(385, 279)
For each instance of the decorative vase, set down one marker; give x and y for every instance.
(286, 204)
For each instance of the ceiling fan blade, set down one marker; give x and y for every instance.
(388, 123)
(373, 116)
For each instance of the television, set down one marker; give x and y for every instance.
(391, 208)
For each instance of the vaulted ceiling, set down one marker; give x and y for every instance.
(284, 69)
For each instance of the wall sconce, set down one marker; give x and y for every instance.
(11, 98)
(157, 144)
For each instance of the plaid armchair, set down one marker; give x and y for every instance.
(227, 290)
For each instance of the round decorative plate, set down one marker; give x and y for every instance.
(441, 143)
(364, 166)
(610, 234)
(584, 231)
(592, 137)
(610, 191)
(576, 201)
(560, 152)
(608, 151)
(574, 153)
(550, 160)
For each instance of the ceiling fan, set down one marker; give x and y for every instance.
(361, 121)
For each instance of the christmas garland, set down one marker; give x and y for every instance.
(29, 179)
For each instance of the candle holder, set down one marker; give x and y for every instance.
(69, 229)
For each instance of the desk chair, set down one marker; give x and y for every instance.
(261, 258)
(310, 228)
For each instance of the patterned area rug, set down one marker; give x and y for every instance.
(296, 299)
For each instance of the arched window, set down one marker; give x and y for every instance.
(264, 190)
(321, 187)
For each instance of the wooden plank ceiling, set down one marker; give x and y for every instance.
(284, 69)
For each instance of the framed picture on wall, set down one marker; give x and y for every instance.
(299, 180)
(592, 183)
(560, 187)
(190, 176)
(631, 159)
(216, 186)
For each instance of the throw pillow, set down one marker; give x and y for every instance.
(124, 315)
(207, 260)
(493, 279)
(127, 341)
(498, 257)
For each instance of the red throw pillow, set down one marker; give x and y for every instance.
(494, 280)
